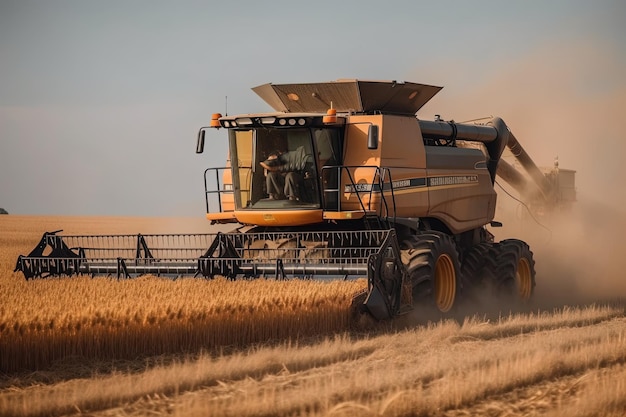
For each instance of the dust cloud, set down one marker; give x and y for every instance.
(565, 102)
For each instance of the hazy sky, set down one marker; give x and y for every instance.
(100, 101)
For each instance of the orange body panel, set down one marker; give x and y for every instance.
(279, 217)
(446, 183)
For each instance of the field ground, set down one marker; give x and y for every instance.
(553, 358)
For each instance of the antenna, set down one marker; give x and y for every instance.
(226, 100)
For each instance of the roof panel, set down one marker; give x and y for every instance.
(348, 96)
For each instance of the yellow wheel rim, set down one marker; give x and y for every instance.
(445, 283)
(524, 280)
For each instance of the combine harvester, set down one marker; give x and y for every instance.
(343, 181)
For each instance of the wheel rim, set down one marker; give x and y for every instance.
(445, 283)
(523, 279)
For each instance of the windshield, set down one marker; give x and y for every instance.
(277, 168)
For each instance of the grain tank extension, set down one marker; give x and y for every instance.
(341, 180)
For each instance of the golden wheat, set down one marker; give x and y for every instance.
(477, 368)
(102, 318)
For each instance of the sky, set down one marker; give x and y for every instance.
(101, 101)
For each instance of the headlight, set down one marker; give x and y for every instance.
(244, 121)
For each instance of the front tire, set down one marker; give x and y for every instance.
(432, 262)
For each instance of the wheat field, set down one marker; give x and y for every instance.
(105, 318)
(152, 346)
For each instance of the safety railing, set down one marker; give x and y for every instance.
(381, 184)
(214, 184)
(216, 188)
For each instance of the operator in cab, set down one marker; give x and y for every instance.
(286, 172)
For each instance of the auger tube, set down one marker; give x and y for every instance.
(495, 134)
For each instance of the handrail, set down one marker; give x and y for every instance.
(379, 180)
(383, 201)
(218, 191)
(219, 187)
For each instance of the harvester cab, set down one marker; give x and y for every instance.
(342, 180)
(325, 141)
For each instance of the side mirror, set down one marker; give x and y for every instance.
(372, 137)
(200, 143)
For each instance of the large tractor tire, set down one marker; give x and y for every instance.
(432, 263)
(474, 278)
(512, 269)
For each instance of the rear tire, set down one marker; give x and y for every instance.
(512, 270)
(473, 271)
(432, 263)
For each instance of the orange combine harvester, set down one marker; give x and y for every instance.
(342, 180)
